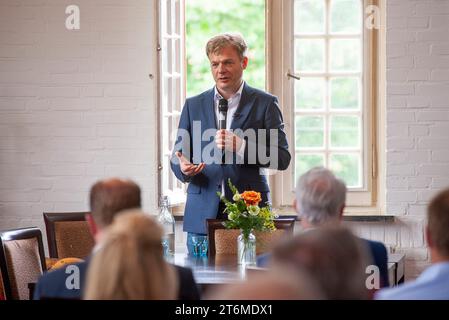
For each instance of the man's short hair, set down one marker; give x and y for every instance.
(218, 42)
(438, 222)
(320, 195)
(332, 256)
(108, 197)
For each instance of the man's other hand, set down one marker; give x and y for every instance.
(187, 168)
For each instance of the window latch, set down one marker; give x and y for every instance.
(292, 75)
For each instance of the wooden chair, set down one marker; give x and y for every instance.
(68, 235)
(224, 241)
(22, 261)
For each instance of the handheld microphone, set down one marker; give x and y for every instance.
(222, 111)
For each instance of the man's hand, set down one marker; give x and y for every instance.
(187, 168)
(225, 139)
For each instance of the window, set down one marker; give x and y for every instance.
(331, 114)
(184, 28)
(328, 84)
(171, 91)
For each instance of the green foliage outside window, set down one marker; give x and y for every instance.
(205, 19)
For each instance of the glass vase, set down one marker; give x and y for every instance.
(246, 245)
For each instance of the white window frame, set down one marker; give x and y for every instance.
(279, 59)
(171, 91)
(280, 44)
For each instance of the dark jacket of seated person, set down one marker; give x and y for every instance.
(62, 283)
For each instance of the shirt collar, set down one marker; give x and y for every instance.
(218, 96)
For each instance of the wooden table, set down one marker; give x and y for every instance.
(223, 269)
(215, 270)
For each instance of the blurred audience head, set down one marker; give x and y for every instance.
(274, 284)
(129, 264)
(334, 258)
(108, 197)
(437, 231)
(320, 197)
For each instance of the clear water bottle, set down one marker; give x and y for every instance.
(167, 221)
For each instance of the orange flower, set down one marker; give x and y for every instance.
(251, 198)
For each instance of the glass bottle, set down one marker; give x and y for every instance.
(246, 246)
(167, 222)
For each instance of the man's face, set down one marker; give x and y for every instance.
(227, 69)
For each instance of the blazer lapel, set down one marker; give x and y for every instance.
(209, 121)
(244, 108)
(208, 110)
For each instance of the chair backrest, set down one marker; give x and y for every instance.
(22, 261)
(68, 234)
(224, 241)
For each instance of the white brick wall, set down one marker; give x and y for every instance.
(417, 124)
(75, 106)
(417, 156)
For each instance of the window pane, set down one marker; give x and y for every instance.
(309, 93)
(305, 162)
(345, 55)
(345, 93)
(309, 55)
(346, 16)
(345, 132)
(309, 16)
(309, 132)
(347, 167)
(205, 19)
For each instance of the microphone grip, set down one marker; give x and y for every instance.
(222, 125)
(222, 121)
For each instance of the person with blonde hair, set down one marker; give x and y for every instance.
(129, 264)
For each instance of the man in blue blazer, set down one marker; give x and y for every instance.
(320, 200)
(206, 155)
(107, 199)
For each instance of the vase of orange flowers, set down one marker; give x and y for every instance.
(245, 214)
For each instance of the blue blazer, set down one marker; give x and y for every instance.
(51, 285)
(257, 110)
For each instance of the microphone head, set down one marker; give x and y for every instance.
(223, 105)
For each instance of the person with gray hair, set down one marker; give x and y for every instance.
(320, 201)
(320, 197)
(332, 257)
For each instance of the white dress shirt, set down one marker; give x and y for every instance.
(233, 103)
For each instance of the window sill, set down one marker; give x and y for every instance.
(352, 214)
